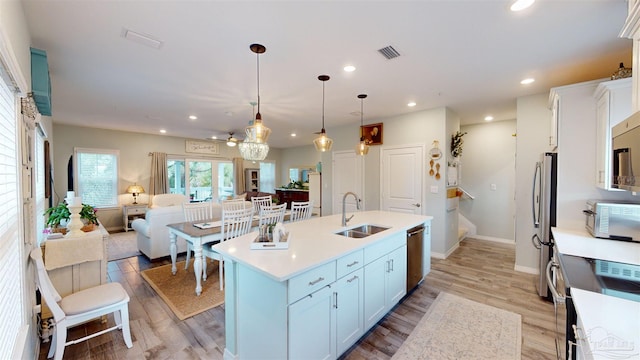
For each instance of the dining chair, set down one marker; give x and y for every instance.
(80, 307)
(300, 210)
(271, 214)
(235, 204)
(259, 201)
(196, 212)
(235, 223)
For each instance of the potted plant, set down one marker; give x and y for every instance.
(61, 214)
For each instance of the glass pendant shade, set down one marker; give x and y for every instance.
(253, 151)
(362, 148)
(322, 142)
(257, 132)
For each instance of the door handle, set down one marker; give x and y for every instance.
(416, 204)
(557, 298)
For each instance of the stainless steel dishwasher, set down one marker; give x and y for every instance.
(415, 237)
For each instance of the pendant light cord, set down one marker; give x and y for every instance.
(258, 72)
(323, 105)
(361, 121)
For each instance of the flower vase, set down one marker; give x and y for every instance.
(75, 223)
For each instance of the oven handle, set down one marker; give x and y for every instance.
(556, 296)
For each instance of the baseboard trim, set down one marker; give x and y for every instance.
(526, 269)
(491, 238)
(446, 255)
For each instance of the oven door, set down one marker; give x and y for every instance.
(558, 293)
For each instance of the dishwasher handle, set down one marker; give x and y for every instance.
(415, 231)
(557, 298)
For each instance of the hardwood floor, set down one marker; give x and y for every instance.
(478, 270)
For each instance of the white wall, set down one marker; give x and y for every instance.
(488, 157)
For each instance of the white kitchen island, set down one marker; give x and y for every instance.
(315, 299)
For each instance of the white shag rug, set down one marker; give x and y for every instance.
(122, 245)
(457, 328)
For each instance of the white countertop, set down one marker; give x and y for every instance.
(313, 242)
(581, 243)
(610, 325)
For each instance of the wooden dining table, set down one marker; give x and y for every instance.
(197, 236)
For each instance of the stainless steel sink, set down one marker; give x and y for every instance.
(370, 229)
(352, 234)
(362, 231)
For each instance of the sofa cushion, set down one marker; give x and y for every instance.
(163, 200)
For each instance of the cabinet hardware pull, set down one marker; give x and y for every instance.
(311, 283)
(353, 263)
(391, 265)
(388, 266)
(335, 294)
(353, 278)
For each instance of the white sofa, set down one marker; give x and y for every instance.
(152, 231)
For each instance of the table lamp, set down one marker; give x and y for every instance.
(135, 190)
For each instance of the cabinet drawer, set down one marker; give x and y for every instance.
(384, 247)
(349, 263)
(311, 281)
(136, 211)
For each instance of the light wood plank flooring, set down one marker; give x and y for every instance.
(478, 270)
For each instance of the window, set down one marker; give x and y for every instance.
(11, 275)
(96, 171)
(267, 176)
(201, 179)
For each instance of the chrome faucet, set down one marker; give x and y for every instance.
(344, 211)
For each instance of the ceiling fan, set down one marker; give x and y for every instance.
(232, 141)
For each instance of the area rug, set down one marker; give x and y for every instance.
(458, 328)
(122, 245)
(179, 291)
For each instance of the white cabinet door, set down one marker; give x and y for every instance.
(396, 286)
(374, 291)
(312, 326)
(349, 310)
(553, 125)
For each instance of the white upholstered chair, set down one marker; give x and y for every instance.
(259, 201)
(300, 210)
(196, 212)
(271, 214)
(235, 223)
(80, 307)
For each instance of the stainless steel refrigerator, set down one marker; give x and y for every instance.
(543, 202)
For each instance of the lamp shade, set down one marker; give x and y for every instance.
(135, 189)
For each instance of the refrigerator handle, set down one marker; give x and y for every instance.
(535, 198)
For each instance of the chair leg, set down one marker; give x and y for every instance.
(126, 329)
(61, 339)
(204, 267)
(186, 263)
(52, 346)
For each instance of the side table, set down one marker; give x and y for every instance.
(131, 212)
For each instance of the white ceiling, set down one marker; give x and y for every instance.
(467, 55)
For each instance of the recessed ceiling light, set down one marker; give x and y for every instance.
(411, 104)
(527, 81)
(349, 68)
(488, 118)
(293, 134)
(521, 4)
(163, 131)
(214, 137)
(193, 117)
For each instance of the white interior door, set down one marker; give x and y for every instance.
(347, 176)
(401, 179)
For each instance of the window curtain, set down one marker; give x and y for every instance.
(159, 182)
(238, 169)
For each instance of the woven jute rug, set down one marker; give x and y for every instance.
(179, 291)
(458, 328)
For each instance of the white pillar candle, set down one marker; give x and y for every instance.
(70, 196)
(77, 201)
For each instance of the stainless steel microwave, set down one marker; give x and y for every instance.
(613, 220)
(625, 142)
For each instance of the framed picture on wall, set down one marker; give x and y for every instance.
(373, 133)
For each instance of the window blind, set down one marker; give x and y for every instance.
(97, 174)
(11, 296)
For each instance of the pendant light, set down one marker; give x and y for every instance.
(322, 142)
(362, 148)
(255, 147)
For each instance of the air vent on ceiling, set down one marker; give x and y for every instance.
(142, 39)
(389, 52)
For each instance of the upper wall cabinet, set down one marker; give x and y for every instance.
(631, 30)
(554, 104)
(40, 81)
(613, 106)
